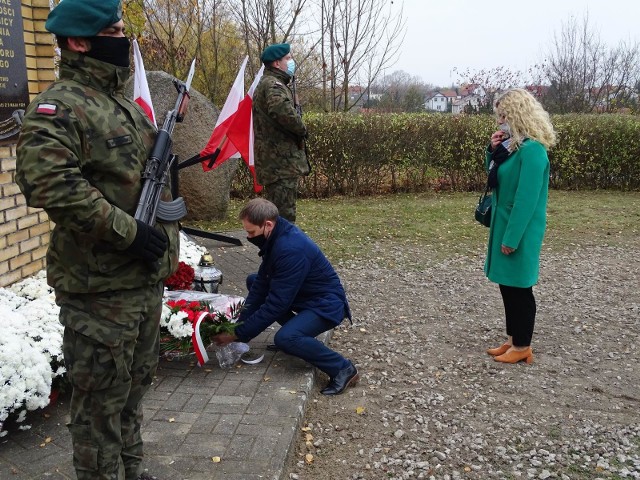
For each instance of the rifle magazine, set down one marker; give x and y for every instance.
(171, 211)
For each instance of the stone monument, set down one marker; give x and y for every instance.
(205, 193)
(14, 91)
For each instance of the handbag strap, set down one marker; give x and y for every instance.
(485, 193)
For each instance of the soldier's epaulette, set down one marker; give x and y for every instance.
(278, 83)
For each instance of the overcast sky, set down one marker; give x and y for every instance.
(479, 34)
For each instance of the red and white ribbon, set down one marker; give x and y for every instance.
(196, 339)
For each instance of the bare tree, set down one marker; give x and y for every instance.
(586, 75)
(168, 34)
(398, 91)
(216, 47)
(339, 43)
(489, 82)
(360, 38)
(265, 22)
(173, 33)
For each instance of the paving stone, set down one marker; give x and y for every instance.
(205, 423)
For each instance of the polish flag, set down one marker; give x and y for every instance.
(219, 149)
(240, 132)
(196, 339)
(141, 93)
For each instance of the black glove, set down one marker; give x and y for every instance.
(149, 244)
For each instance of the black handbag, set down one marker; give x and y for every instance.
(483, 209)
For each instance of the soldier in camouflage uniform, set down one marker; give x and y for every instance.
(279, 133)
(80, 156)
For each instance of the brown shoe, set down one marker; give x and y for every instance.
(515, 356)
(499, 350)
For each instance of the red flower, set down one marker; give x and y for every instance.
(215, 322)
(182, 279)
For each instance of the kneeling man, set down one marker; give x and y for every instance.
(297, 287)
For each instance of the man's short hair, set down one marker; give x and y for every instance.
(258, 211)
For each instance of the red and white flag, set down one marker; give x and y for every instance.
(196, 339)
(218, 146)
(240, 131)
(141, 94)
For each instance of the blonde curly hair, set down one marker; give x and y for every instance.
(526, 118)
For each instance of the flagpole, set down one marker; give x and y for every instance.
(216, 153)
(212, 156)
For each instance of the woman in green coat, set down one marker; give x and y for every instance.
(518, 169)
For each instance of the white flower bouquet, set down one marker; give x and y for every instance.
(190, 319)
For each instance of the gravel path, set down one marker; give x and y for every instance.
(432, 404)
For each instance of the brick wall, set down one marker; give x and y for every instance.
(24, 231)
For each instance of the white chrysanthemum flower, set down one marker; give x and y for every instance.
(166, 312)
(10, 300)
(30, 347)
(190, 252)
(27, 381)
(32, 287)
(179, 325)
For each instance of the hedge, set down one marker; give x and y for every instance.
(380, 153)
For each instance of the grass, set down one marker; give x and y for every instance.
(389, 227)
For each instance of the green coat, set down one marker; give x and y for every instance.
(80, 157)
(518, 216)
(279, 133)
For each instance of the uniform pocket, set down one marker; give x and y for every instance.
(91, 364)
(105, 262)
(85, 453)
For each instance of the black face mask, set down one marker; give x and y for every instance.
(113, 50)
(258, 240)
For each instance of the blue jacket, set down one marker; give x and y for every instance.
(294, 276)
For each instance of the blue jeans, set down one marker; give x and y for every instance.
(297, 337)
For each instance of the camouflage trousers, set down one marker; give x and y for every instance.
(111, 347)
(283, 193)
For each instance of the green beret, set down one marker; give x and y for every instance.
(83, 18)
(275, 52)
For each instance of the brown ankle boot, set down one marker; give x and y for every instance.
(499, 350)
(515, 356)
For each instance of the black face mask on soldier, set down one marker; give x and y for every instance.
(113, 50)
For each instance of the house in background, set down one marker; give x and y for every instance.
(468, 89)
(466, 104)
(456, 100)
(441, 100)
(471, 98)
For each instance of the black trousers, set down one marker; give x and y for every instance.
(520, 312)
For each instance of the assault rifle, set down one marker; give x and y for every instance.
(296, 105)
(302, 142)
(160, 162)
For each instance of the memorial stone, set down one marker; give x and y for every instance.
(14, 89)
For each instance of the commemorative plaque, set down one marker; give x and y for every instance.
(14, 89)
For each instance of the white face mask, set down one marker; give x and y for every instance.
(291, 66)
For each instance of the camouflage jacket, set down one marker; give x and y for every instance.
(80, 156)
(278, 130)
